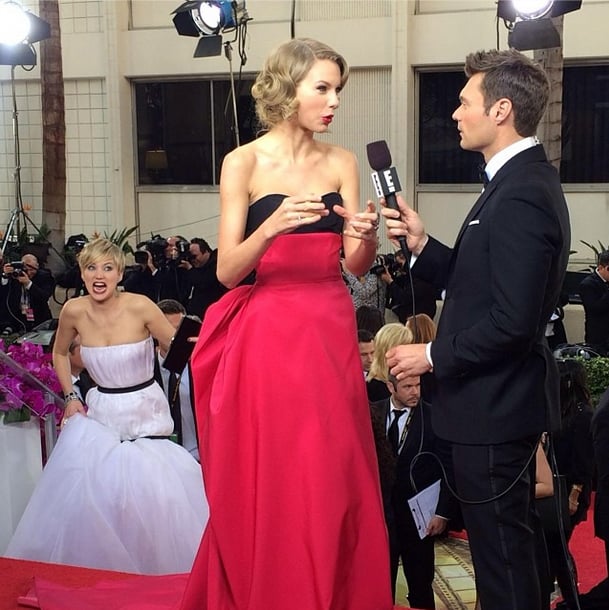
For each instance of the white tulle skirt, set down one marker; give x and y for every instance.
(133, 506)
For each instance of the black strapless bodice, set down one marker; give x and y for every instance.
(260, 210)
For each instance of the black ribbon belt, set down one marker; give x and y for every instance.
(154, 438)
(131, 388)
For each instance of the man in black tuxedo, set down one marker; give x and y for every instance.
(594, 292)
(496, 380)
(402, 429)
(178, 388)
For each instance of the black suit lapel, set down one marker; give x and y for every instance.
(535, 153)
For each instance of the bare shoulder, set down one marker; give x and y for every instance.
(242, 159)
(138, 303)
(73, 308)
(339, 155)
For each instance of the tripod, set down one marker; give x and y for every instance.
(19, 220)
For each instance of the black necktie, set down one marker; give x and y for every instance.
(394, 429)
(482, 174)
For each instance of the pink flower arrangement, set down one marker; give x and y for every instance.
(20, 396)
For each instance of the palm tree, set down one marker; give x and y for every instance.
(550, 128)
(53, 128)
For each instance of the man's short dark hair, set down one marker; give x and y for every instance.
(512, 75)
(364, 336)
(203, 245)
(171, 306)
(603, 258)
(393, 380)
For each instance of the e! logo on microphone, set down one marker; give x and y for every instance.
(386, 182)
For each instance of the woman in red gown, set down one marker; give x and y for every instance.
(286, 441)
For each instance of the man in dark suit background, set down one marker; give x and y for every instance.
(204, 286)
(496, 380)
(594, 292)
(178, 388)
(28, 291)
(402, 429)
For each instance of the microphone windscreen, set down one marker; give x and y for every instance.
(379, 156)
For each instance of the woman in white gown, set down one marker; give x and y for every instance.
(116, 493)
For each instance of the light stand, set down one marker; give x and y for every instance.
(209, 20)
(228, 52)
(20, 29)
(18, 218)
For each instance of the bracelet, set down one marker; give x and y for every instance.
(69, 397)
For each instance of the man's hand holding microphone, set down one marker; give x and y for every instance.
(405, 229)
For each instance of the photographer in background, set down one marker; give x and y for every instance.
(204, 287)
(394, 273)
(71, 278)
(26, 292)
(158, 273)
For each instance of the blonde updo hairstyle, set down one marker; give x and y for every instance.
(275, 87)
(390, 335)
(101, 249)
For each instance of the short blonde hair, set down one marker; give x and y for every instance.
(275, 87)
(101, 249)
(390, 335)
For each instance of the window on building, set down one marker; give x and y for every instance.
(185, 129)
(441, 158)
(585, 128)
(585, 124)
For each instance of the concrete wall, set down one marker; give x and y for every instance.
(107, 43)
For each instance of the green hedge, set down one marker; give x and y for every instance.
(597, 374)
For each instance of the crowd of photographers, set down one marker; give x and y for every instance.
(165, 268)
(178, 269)
(392, 287)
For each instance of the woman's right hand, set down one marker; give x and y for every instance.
(73, 407)
(295, 212)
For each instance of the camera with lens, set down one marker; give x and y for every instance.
(141, 257)
(385, 262)
(73, 247)
(18, 268)
(156, 246)
(182, 252)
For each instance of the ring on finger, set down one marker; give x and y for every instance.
(299, 218)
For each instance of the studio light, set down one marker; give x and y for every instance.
(529, 21)
(18, 30)
(208, 20)
(532, 9)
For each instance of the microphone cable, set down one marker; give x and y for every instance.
(450, 488)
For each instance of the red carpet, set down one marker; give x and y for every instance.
(17, 578)
(589, 554)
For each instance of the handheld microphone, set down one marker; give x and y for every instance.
(385, 179)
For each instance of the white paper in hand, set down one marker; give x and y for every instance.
(423, 507)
